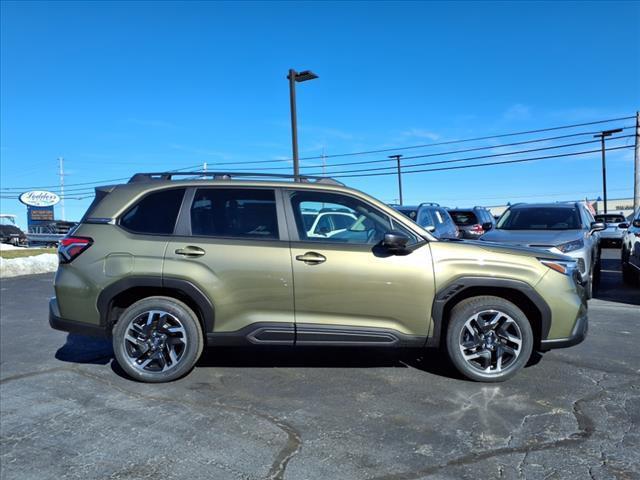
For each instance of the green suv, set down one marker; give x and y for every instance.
(164, 266)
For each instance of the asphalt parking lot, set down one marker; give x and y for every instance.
(68, 412)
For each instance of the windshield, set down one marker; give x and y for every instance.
(541, 218)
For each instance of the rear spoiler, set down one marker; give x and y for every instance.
(101, 193)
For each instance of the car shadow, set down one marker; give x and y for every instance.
(611, 287)
(83, 349)
(428, 360)
(98, 351)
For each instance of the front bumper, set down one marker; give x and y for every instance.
(578, 334)
(58, 323)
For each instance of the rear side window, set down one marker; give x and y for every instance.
(154, 214)
(234, 213)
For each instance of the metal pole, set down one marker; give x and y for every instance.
(294, 122)
(61, 173)
(604, 174)
(636, 183)
(397, 157)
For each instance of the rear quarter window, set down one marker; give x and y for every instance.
(155, 214)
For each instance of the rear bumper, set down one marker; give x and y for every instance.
(578, 334)
(58, 323)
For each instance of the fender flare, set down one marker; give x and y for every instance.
(185, 287)
(459, 285)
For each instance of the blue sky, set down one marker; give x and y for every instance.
(119, 87)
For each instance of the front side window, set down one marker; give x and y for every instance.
(155, 214)
(340, 219)
(234, 213)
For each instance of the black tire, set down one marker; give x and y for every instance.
(629, 275)
(465, 311)
(190, 334)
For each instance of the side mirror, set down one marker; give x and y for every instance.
(430, 228)
(597, 227)
(486, 226)
(395, 241)
(623, 225)
(636, 223)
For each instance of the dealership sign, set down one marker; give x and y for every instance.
(39, 198)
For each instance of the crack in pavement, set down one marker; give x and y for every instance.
(281, 460)
(586, 428)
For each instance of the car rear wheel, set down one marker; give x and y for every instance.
(157, 339)
(489, 339)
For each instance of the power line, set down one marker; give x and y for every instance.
(456, 160)
(458, 167)
(93, 183)
(434, 144)
(9, 189)
(450, 142)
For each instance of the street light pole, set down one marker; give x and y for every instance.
(603, 135)
(397, 158)
(294, 77)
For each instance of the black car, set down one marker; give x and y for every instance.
(473, 222)
(432, 217)
(9, 231)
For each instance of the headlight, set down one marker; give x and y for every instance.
(571, 246)
(561, 266)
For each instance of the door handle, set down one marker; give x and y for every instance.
(190, 251)
(311, 258)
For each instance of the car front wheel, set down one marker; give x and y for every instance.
(489, 339)
(157, 339)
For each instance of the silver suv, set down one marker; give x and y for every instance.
(566, 228)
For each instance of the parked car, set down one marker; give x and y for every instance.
(563, 228)
(164, 266)
(328, 221)
(10, 232)
(472, 222)
(616, 226)
(630, 251)
(433, 218)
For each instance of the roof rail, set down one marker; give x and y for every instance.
(145, 177)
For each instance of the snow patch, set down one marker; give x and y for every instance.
(14, 267)
(7, 246)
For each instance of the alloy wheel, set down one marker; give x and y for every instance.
(490, 341)
(155, 341)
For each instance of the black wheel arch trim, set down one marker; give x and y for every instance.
(459, 285)
(187, 288)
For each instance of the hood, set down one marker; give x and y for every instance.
(532, 238)
(509, 249)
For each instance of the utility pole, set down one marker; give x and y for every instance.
(204, 167)
(397, 158)
(294, 77)
(61, 174)
(324, 164)
(636, 163)
(603, 135)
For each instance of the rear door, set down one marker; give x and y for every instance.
(231, 242)
(347, 280)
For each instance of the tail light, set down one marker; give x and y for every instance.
(477, 229)
(71, 247)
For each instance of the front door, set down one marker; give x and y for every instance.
(343, 278)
